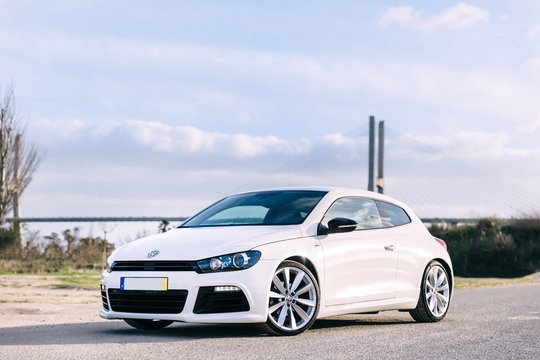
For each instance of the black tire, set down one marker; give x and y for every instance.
(299, 305)
(148, 324)
(431, 305)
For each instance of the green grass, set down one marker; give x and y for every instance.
(75, 272)
(91, 281)
(66, 279)
(85, 279)
(56, 273)
(465, 282)
(79, 281)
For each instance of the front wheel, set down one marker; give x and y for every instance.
(434, 294)
(293, 303)
(148, 324)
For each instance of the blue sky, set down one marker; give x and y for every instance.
(158, 108)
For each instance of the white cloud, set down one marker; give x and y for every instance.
(493, 94)
(491, 97)
(104, 128)
(458, 144)
(191, 140)
(165, 159)
(460, 16)
(403, 16)
(65, 129)
(72, 129)
(195, 142)
(533, 33)
(532, 65)
(531, 126)
(332, 75)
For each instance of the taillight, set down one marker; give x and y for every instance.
(442, 242)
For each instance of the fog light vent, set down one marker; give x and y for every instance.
(104, 297)
(220, 299)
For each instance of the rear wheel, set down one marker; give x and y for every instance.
(148, 324)
(434, 294)
(293, 303)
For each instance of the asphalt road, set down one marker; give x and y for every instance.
(483, 323)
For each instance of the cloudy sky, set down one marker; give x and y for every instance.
(158, 108)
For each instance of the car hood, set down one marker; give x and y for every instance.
(201, 243)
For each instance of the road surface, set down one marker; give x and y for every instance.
(483, 323)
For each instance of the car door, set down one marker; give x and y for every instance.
(360, 265)
(409, 246)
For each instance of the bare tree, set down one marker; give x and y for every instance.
(18, 159)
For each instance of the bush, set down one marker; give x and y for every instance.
(8, 238)
(55, 253)
(526, 235)
(493, 247)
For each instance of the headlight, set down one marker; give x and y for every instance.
(110, 263)
(230, 262)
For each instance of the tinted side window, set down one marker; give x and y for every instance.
(363, 211)
(392, 215)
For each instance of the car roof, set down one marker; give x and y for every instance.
(337, 192)
(334, 190)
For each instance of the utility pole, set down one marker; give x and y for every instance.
(379, 181)
(17, 213)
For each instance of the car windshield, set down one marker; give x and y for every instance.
(286, 207)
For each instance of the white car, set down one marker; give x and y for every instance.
(282, 258)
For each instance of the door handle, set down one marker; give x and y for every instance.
(389, 247)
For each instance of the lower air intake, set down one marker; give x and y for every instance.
(149, 302)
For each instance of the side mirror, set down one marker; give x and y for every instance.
(338, 225)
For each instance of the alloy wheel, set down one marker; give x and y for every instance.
(293, 299)
(437, 291)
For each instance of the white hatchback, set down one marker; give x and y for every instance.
(282, 258)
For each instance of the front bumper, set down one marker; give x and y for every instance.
(253, 282)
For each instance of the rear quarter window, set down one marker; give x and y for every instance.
(392, 215)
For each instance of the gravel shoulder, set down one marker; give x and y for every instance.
(42, 299)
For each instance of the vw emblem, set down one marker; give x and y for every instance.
(152, 253)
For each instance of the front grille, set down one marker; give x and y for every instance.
(145, 301)
(154, 266)
(210, 301)
(104, 298)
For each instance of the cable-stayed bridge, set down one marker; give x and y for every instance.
(439, 185)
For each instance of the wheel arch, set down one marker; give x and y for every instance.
(307, 263)
(450, 273)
